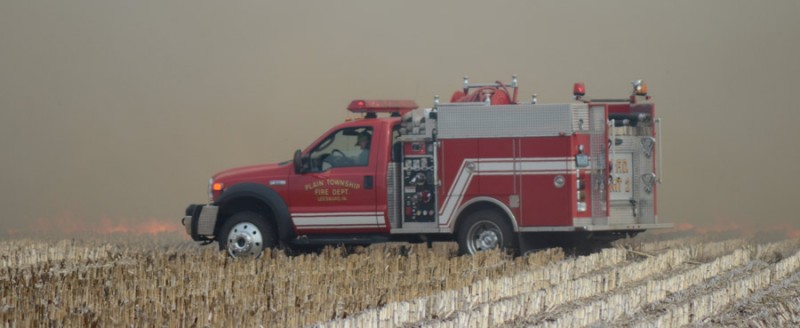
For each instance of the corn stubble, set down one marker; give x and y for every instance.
(112, 282)
(158, 281)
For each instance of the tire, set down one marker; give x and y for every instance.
(246, 235)
(486, 230)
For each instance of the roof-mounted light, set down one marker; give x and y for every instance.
(372, 107)
(639, 88)
(579, 90)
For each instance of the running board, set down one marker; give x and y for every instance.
(356, 239)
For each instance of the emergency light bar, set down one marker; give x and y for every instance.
(372, 107)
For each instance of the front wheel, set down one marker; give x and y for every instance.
(246, 235)
(485, 230)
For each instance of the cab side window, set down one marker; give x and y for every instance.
(344, 148)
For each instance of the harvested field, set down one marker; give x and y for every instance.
(652, 281)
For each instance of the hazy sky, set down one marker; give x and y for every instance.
(124, 109)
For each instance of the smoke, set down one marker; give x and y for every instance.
(124, 109)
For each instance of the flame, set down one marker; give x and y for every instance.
(150, 226)
(68, 224)
(730, 226)
(684, 226)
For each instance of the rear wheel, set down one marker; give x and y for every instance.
(246, 235)
(485, 230)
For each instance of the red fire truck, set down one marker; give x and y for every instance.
(484, 170)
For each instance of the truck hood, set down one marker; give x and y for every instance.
(253, 171)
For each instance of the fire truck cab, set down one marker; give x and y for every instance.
(484, 170)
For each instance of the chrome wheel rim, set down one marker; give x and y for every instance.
(483, 236)
(245, 240)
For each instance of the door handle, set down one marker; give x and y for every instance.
(367, 182)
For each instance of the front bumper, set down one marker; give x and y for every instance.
(200, 221)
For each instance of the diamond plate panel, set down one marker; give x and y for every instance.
(622, 211)
(599, 183)
(524, 120)
(646, 200)
(580, 119)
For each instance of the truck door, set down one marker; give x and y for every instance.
(338, 193)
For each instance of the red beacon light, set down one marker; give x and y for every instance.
(579, 90)
(373, 107)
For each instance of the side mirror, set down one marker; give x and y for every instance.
(299, 164)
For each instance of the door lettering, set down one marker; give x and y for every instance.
(331, 190)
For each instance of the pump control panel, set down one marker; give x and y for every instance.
(419, 200)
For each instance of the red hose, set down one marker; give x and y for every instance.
(475, 96)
